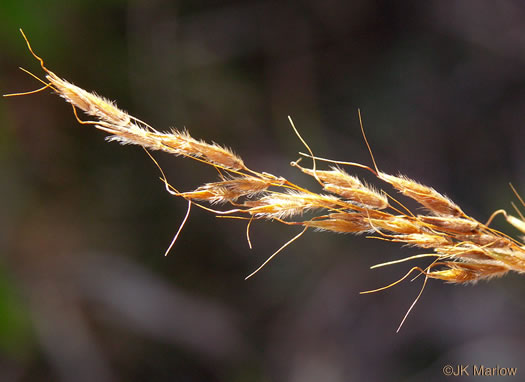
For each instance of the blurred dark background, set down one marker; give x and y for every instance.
(85, 292)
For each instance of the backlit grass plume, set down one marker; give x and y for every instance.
(461, 249)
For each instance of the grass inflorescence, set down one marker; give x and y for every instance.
(461, 249)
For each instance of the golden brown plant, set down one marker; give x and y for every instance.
(463, 249)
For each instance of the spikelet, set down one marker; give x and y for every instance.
(513, 257)
(426, 196)
(177, 143)
(341, 223)
(126, 131)
(486, 240)
(396, 224)
(280, 205)
(463, 273)
(335, 176)
(347, 186)
(229, 190)
(365, 196)
(450, 224)
(423, 240)
(90, 103)
(467, 252)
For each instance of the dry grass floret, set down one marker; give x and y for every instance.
(464, 249)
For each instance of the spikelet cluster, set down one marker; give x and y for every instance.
(463, 249)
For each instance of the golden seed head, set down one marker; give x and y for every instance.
(364, 196)
(466, 251)
(181, 143)
(279, 205)
(487, 240)
(450, 224)
(396, 224)
(423, 240)
(335, 176)
(472, 250)
(90, 103)
(462, 273)
(339, 224)
(514, 257)
(228, 190)
(426, 196)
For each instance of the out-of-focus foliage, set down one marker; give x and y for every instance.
(15, 329)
